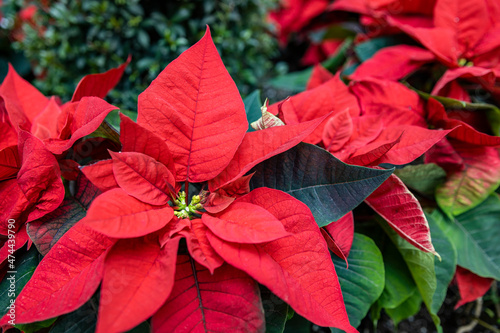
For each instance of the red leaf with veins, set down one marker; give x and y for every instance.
(342, 232)
(244, 222)
(8, 137)
(460, 130)
(117, 214)
(23, 102)
(227, 301)
(444, 155)
(371, 153)
(260, 145)
(319, 76)
(21, 239)
(333, 246)
(39, 177)
(398, 206)
(196, 108)
(10, 162)
(318, 102)
(470, 286)
(217, 202)
(199, 247)
(138, 278)
(13, 205)
(142, 177)
(338, 131)
(404, 60)
(99, 84)
(135, 138)
(298, 268)
(483, 76)
(55, 288)
(101, 175)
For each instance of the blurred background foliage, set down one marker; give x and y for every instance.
(58, 42)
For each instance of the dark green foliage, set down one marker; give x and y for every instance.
(83, 37)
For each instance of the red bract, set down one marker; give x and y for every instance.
(192, 129)
(470, 286)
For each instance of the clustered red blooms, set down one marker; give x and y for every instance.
(449, 48)
(165, 225)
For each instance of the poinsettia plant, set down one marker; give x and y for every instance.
(167, 226)
(438, 125)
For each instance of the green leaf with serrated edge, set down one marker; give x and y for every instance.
(35, 327)
(328, 186)
(45, 232)
(423, 178)
(277, 312)
(366, 50)
(408, 308)
(475, 235)
(252, 107)
(421, 266)
(445, 269)
(25, 266)
(363, 282)
(83, 320)
(399, 283)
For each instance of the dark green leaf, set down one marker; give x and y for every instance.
(277, 311)
(105, 130)
(423, 178)
(34, 327)
(445, 269)
(294, 82)
(407, 309)
(363, 282)
(82, 320)
(25, 266)
(366, 50)
(475, 235)
(328, 186)
(252, 108)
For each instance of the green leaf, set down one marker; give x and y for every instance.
(423, 178)
(105, 130)
(298, 324)
(408, 308)
(445, 269)
(399, 284)
(333, 63)
(366, 50)
(34, 327)
(252, 107)
(328, 186)
(45, 232)
(25, 266)
(82, 320)
(363, 282)
(421, 266)
(144, 327)
(475, 235)
(276, 310)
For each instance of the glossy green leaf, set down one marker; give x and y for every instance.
(423, 178)
(276, 310)
(293, 82)
(25, 266)
(105, 130)
(252, 107)
(328, 186)
(399, 284)
(421, 266)
(82, 320)
(407, 309)
(475, 235)
(445, 269)
(363, 282)
(35, 327)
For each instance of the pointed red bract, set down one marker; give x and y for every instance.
(260, 145)
(227, 301)
(66, 278)
(196, 108)
(298, 268)
(342, 232)
(470, 286)
(135, 138)
(10, 162)
(117, 214)
(100, 84)
(319, 76)
(399, 207)
(44, 126)
(245, 223)
(101, 175)
(138, 278)
(338, 131)
(142, 177)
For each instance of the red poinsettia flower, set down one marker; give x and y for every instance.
(191, 130)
